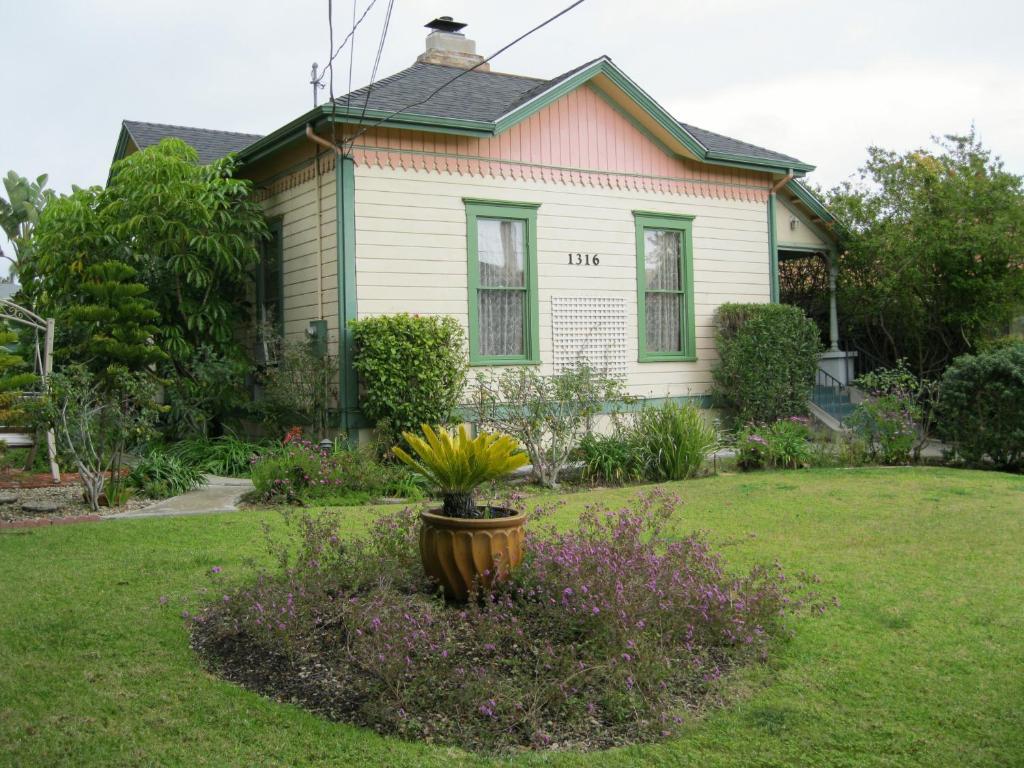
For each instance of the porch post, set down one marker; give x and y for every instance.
(833, 313)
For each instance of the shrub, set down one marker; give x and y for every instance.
(225, 456)
(605, 635)
(615, 458)
(768, 356)
(160, 474)
(412, 371)
(886, 426)
(981, 406)
(456, 465)
(300, 472)
(674, 440)
(784, 444)
(300, 389)
(549, 415)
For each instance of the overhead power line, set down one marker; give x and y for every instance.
(464, 72)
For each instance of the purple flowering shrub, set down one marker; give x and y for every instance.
(610, 633)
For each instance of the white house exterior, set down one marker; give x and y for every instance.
(555, 219)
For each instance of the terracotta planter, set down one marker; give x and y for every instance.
(462, 554)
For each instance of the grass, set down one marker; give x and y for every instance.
(921, 665)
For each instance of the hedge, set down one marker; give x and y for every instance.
(768, 355)
(412, 370)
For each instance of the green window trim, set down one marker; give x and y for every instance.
(683, 224)
(276, 227)
(500, 209)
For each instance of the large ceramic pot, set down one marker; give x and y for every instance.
(463, 554)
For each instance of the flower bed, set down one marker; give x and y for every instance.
(609, 634)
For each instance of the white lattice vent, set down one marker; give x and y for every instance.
(591, 330)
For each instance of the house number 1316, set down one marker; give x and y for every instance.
(584, 259)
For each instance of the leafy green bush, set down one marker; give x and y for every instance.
(616, 458)
(981, 406)
(549, 415)
(225, 456)
(160, 474)
(768, 356)
(300, 390)
(300, 472)
(886, 425)
(783, 444)
(674, 440)
(412, 370)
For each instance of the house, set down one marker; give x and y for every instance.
(557, 219)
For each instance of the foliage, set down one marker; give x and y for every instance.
(412, 370)
(224, 456)
(887, 422)
(768, 356)
(456, 465)
(604, 636)
(19, 213)
(190, 232)
(982, 406)
(160, 474)
(887, 428)
(15, 380)
(932, 250)
(548, 415)
(214, 386)
(97, 420)
(299, 472)
(783, 444)
(301, 389)
(615, 458)
(111, 325)
(674, 440)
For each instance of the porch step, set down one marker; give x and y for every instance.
(834, 401)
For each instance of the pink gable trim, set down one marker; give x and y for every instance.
(578, 140)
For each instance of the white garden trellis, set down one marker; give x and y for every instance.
(43, 363)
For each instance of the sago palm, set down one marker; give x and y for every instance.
(456, 465)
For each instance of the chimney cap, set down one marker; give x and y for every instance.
(445, 24)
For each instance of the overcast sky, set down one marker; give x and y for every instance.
(818, 80)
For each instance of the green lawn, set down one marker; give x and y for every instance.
(923, 664)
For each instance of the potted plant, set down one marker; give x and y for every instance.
(465, 546)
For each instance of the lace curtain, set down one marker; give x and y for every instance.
(663, 295)
(501, 297)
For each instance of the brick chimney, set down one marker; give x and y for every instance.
(446, 45)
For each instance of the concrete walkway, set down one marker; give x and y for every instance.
(220, 494)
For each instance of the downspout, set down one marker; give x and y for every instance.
(319, 239)
(345, 243)
(773, 245)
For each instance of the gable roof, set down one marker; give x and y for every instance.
(209, 144)
(487, 103)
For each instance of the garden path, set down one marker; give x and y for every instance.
(220, 494)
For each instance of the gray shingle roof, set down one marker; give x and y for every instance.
(209, 145)
(476, 95)
(487, 96)
(716, 142)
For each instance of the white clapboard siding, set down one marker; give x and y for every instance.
(411, 255)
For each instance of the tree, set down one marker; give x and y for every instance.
(188, 233)
(933, 255)
(15, 379)
(19, 213)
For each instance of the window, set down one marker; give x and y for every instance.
(503, 315)
(270, 284)
(664, 253)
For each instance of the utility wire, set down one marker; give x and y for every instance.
(376, 61)
(355, 26)
(463, 72)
